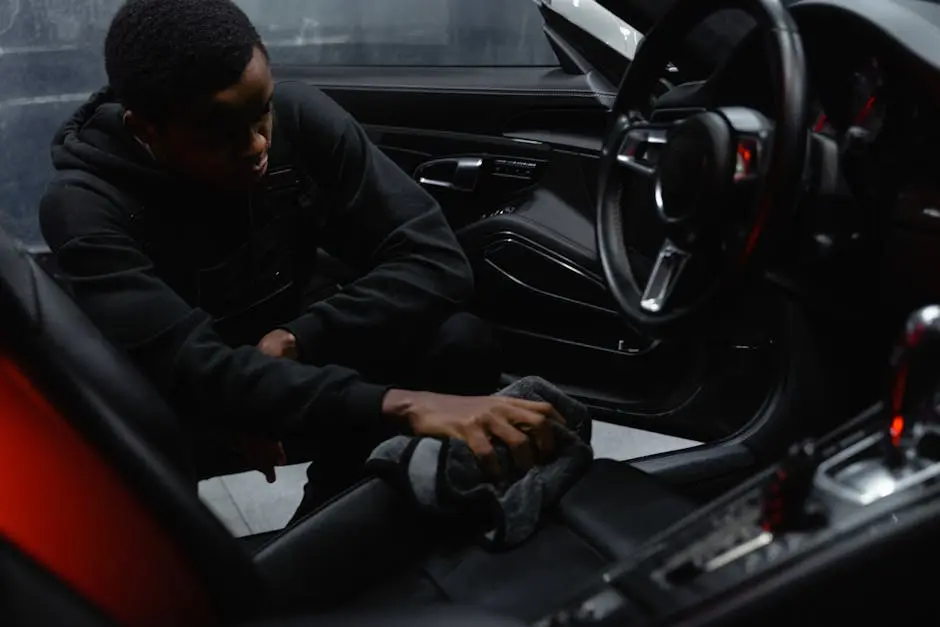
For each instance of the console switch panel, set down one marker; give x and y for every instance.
(515, 168)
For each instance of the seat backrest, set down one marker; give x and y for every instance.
(61, 375)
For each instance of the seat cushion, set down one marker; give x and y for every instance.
(426, 616)
(369, 547)
(617, 508)
(367, 536)
(607, 515)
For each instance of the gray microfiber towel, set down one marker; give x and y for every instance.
(443, 477)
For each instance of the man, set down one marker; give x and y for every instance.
(189, 199)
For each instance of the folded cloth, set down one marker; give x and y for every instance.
(443, 477)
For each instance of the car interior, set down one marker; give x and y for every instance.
(727, 238)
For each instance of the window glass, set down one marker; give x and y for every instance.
(402, 32)
(50, 60)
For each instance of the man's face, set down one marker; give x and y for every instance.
(223, 141)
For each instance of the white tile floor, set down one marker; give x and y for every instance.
(247, 504)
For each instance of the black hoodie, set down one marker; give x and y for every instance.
(144, 296)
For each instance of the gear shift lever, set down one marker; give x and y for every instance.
(915, 368)
(906, 452)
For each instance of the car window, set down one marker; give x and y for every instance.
(51, 59)
(402, 32)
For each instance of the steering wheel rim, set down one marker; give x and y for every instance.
(777, 173)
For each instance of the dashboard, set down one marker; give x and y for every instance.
(876, 100)
(874, 73)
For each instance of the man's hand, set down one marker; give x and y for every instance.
(525, 426)
(263, 455)
(279, 343)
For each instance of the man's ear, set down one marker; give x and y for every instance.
(144, 131)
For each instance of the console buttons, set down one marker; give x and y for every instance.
(785, 504)
(715, 552)
(515, 168)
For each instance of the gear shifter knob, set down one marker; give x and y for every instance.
(915, 371)
(915, 363)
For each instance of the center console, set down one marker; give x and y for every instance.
(865, 497)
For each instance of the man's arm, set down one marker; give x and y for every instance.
(175, 344)
(382, 224)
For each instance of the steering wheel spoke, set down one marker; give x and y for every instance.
(667, 272)
(640, 148)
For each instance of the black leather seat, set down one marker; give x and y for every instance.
(368, 547)
(372, 549)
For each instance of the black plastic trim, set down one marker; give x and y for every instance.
(504, 238)
(605, 60)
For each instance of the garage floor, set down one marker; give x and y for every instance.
(247, 504)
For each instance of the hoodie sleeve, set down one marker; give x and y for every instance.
(381, 223)
(113, 281)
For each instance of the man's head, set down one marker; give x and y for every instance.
(194, 78)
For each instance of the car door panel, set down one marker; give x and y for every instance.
(529, 234)
(469, 100)
(413, 148)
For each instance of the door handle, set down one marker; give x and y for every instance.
(459, 174)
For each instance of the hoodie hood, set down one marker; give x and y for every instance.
(95, 140)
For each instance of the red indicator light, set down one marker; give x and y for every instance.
(896, 430)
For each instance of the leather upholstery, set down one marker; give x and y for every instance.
(46, 309)
(611, 510)
(365, 535)
(368, 545)
(121, 414)
(618, 507)
(428, 616)
(411, 559)
(33, 596)
(547, 220)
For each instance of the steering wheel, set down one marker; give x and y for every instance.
(716, 183)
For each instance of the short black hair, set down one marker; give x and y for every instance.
(162, 56)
